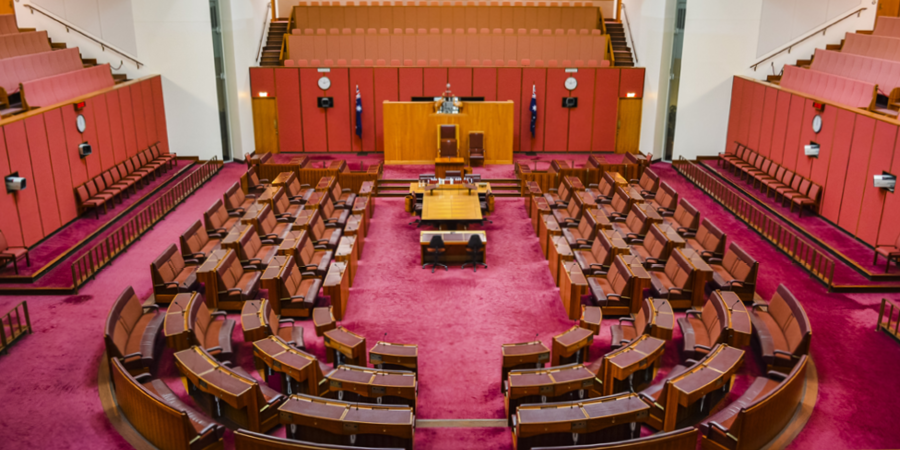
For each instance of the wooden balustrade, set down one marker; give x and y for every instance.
(13, 325)
(886, 317)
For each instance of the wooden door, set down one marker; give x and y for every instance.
(265, 124)
(628, 128)
(890, 8)
(6, 7)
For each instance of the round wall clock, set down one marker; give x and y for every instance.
(571, 83)
(81, 123)
(817, 123)
(324, 83)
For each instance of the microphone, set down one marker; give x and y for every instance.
(536, 336)
(383, 339)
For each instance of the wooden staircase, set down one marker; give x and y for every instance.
(621, 50)
(271, 55)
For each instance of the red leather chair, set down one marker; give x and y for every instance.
(12, 254)
(891, 252)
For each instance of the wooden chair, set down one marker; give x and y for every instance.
(892, 253)
(12, 254)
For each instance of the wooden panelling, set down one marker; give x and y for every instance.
(364, 78)
(509, 87)
(434, 81)
(734, 113)
(127, 110)
(792, 138)
(9, 220)
(825, 139)
(581, 118)
(873, 197)
(484, 83)
(410, 83)
(890, 218)
(262, 80)
(103, 146)
(117, 134)
(56, 140)
(159, 108)
(265, 124)
(290, 135)
(314, 136)
(90, 135)
(460, 79)
(606, 107)
(768, 123)
(26, 199)
(782, 112)
(42, 171)
(743, 134)
(860, 151)
(632, 83)
(556, 122)
(837, 172)
(140, 122)
(628, 134)
(807, 135)
(149, 113)
(756, 114)
(338, 117)
(387, 83)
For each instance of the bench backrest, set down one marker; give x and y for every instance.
(248, 440)
(18, 44)
(710, 237)
(791, 318)
(656, 243)
(215, 217)
(59, 88)
(637, 220)
(679, 270)
(686, 215)
(883, 72)
(846, 91)
(229, 271)
(882, 47)
(234, 197)
(666, 197)
(649, 180)
(683, 439)
(740, 265)
(619, 276)
(167, 265)
(193, 239)
(621, 201)
(198, 321)
(37, 65)
(124, 314)
(587, 227)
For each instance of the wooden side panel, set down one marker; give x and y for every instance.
(314, 131)
(262, 79)
(290, 120)
(90, 135)
(873, 198)
(837, 172)
(27, 199)
(807, 135)
(65, 188)
(759, 99)
(779, 132)
(510, 87)
(411, 80)
(825, 139)
(890, 219)
(538, 79)
(77, 166)
(42, 171)
(338, 120)
(632, 83)
(863, 134)
(628, 136)
(484, 83)
(606, 109)
(556, 131)
(386, 89)
(581, 118)
(9, 220)
(746, 114)
(159, 108)
(364, 78)
(127, 110)
(116, 133)
(768, 122)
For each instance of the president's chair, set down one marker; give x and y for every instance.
(476, 148)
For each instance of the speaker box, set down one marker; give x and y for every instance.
(325, 102)
(569, 102)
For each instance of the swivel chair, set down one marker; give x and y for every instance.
(436, 248)
(475, 248)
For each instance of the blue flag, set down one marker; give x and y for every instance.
(359, 113)
(533, 109)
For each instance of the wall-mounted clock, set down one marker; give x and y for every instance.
(571, 83)
(80, 123)
(817, 123)
(324, 83)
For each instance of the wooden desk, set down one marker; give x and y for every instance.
(738, 320)
(323, 320)
(303, 218)
(573, 346)
(530, 190)
(323, 420)
(386, 355)
(559, 253)
(346, 253)
(586, 201)
(410, 131)
(266, 197)
(454, 204)
(337, 285)
(674, 240)
(548, 228)
(631, 368)
(455, 242)
(290, 245)
(662, 320)
(206, 274)
(573, 183)
(363, 384)
(600, 219)
(355, 227)
(594, 421)
(553, 384)
(223, 394)
(484, 188)
(539, 207)
(301, 371)
(283, 179)
(526, 355)
(325, 184)
(364, 206)
(573, 285)
(251, 214)
(591, 318)
(175, 327)
(443, 165)
(271, 281)
(346, 347)
(701, 275)
(232, 240)
(253, 321)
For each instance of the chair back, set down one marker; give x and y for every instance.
(679, 270)
(229, 272)
(267, 221)
(449, 148)
(167, 265)
(649, 180)
(714, 317)
(215, 217)
(194, 239)
(123, 316)
(474, 242)
(252, 177)
(620, 201)
(790, 316)
(198, 322)
(686, 215)
(291, 278)
(3, 244)
(642, 318)
(619, 276)
(437, 242)
(655, 243)
(476, 140)
(814, 191)
(602, 249)
(234, 197)
(447, 131)
(317, 225)
(740, 265)
(710, 237)
(666, 197)
(281, 201)
(293, 186)
(250, 244)
(607, 184)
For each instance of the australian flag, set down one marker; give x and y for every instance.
(533, 108)
(359, 113)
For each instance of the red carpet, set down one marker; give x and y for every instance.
(459, 319)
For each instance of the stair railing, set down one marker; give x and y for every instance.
(70, 27)
(630, 36)
(264, 34)
(822, 30)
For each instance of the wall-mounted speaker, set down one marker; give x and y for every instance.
(325, 102)
(885, 181)
(570, 102)
(15, 183)
(84, 149)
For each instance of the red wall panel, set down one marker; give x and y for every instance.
(580, 118)
(42, 171)
(873, 198)
(825, 139)
(90, 136)
(768, 122)
(837, 172)
(556, 122)
(9, 220)
(434, 81)
(484, 83)
(509, 87)
(756, 114)
(104, 139)
(890, 219)
(807, 135)
(386, 89)
(338, 118)
(149, 112)
(364, 78)
(792, 138)
(779, 131)
(140, 123)
(117, 134)
(127, 110)
(734, 113)
(538, 79)
(65, 188)
(77, 165)
(290, 125)
(314, 130)
(262, 80)
(632, 82)
(26, 200)
(606, 110)
(162, 133)
(746, 113)
(410, 83)
(460, 79)
(863, 133)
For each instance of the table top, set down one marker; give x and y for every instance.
(335, 275)
(662, 315)
(206, 368)
(723, 361)
(536, 348)
(274, 348)
(253, 315)
(282, 178)
(637, 351)
(553, 375)
(268, 194)
(372, 377)
(581, 410)
(453, 206)
(345, 337)
(574, 336)
(391, 349)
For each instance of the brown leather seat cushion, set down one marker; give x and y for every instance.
(198, 419)
(760, 388)
(249, 284)
(293, 335)
(624, 332)
(144, 335)
(219, 335)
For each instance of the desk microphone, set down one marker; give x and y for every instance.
(536, 336)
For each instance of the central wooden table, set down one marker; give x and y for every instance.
(451, 205)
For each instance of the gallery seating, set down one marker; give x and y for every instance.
(672, 281)
(210, 334)
(603, 192)
(666, 199)
(253, 252)
(27, 43)
(850, 92)
(648, 183)
(90, 197)
(314, 258)
(298, 193)
(272, 229)
(881, 47)
(159, 415)
(157, 155)
(765, 409)
(292, 334)
(171, 275)
(333, 217)
(35, 66)
(299, 294)
(8, 24)
(709, 241)
(683, 439)
(736, 272)
(583, 235)
(12, 254)
(132, 333)
(112, 177)
(236, 200)
(196, 244)
(702, 330)
(782, 330)
(60, 88)
(323, 237)
(685, 220)
(570, 216)
(596, 260)
(882, 72)
(235, 282)
(890, 252)
(342, 198)
(219, 221)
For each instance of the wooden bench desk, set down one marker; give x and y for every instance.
(553, 384)
(591, 318)
(539, 207)
(323, 320)
(175, 327)
(738, 320)
(367, 385)
(253, 323)
(631, 367)
(662, 320)
(337, 285)
(206, 274)
(559, 253)
(386, 355)
(572, 346)
(345, 347)
(572, 285)
(346, 252)
(455, 243)
(301, 371)
(526, 355)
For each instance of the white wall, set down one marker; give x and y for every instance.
(783, 21)
(108, 19)
(173, 39)
(721, 39)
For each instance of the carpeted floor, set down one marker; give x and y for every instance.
(459, 319)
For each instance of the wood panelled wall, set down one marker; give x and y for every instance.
(287, 118)
(853, 147)
(42, 146)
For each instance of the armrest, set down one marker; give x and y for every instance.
(650, 400)
(206, 429)
(320, 247)
(346, 190)
(593, 185)
(784, 353)
(634, 181)
(553, 190)
(141, 376)
(736, 283)
(290, 321)
(295, 297)
(615, 296)
(267, 241)
(761, 306)
(263, 181)
(253, 261)
(233, 290)
(625, 319)
(584, 241)
(714, 424)
(237, 212)
(308, 274)
(197, 255)
(132, 355)
(214, 349)
(250, 196)
(775, 374)
(636, 241)
(330, 220)
(715, 261)
(694, 312)
(657, 267)
(153, 307)
(691, 361)
(319, 241)
(707, 253)
(310, 267)
(702, 347)
(219, 314)
(168, 284)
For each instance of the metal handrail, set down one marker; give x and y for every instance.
(630, 36)
(103, 45)
(790, 46)
(265, 33)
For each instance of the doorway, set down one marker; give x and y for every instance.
(221, 88)
(674, 79)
